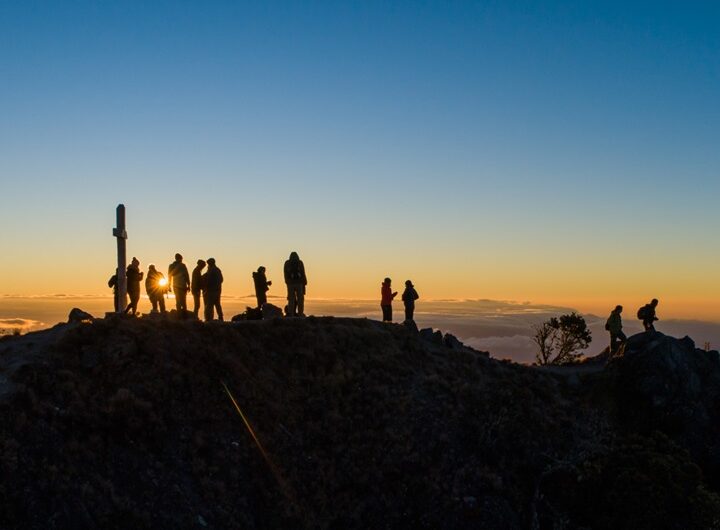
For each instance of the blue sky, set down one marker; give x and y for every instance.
(504, 134)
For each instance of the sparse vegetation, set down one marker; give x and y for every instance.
(560, 340)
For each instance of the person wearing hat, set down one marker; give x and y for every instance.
(212, 289)
(408, 297)
(262, 285)
(196, 286)
(134, 276)
(386, 298)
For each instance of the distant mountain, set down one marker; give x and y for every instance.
(130, 423)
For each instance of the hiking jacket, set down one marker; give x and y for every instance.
(614, 323)
(197, 280)
(152, 283)
(134, 277)
(409, 296)
(386, 294)
(261, 283)
(178, 276)
(294, 270)
(212, 279)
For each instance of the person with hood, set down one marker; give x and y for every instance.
(196, 286)
(386, 298)
(156, 287)
(614, 326)
(296, 282)
(647, 314)
(262, 285)
(134, 276)
(113, 282)
(212, 289)
(179, 283)
(408, 297)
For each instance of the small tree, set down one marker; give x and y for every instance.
(560, 340)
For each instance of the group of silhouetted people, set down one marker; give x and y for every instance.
(614, 323)
(387, 296)
(207, 285)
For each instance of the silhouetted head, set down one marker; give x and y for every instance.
(178, 257)
(211, 262)
(654, 302)
(618, 308)
(135, 261)
(261, 269)
(151, 267)
(387, 281)
(408, 283)
(201, 262)
(294, 256)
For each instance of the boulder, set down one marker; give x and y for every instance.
(78, 315)
(271, 311)
(435, 337)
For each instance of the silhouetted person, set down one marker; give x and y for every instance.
(134, 277)
(386, 298)
(156, 287)
(212, 289)
(196, 285)
(408, 297)
(262, 285)
(113, 282)
(614, 326)
(179, 283)
(296, 282)
(647, 314)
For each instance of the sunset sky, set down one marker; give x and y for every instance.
(562, 153)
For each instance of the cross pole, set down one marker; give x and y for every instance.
(121, 235)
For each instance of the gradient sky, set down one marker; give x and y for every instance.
(559, 152)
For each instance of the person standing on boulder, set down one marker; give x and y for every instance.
(179, 283)
(134, 276)
(296, 282)
(156, 287)
(212, 289)
(196, 286)
(408, 297)
(386, 298)
(647, 314)
(614, 326)
(262, 285)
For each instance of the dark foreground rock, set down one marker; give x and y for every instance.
(130, 423)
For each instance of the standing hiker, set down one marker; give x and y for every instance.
(134, 277)
(156, 287)
(113, 282)
(296, 282)
(179, 283)
(386, 298)
(262, 285)
(212, 290)
(614, 326)
(196, 286)
(408, 297)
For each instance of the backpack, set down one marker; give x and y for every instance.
(641, 313)
(294, 270)
(607, 325)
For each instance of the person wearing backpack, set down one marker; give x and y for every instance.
(614, 326)
(113, 283)
(408, 297)
(212, 291)
(196, 287)
(647, 314)
(296, 282)
(134, 276)
(386, 298)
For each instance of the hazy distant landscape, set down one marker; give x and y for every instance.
(502, 328)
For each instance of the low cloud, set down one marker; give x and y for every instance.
(11, 326)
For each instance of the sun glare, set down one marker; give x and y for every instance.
(163, 282)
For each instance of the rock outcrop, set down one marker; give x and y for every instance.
(124, 422)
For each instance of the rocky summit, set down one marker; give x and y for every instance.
(347, 423)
